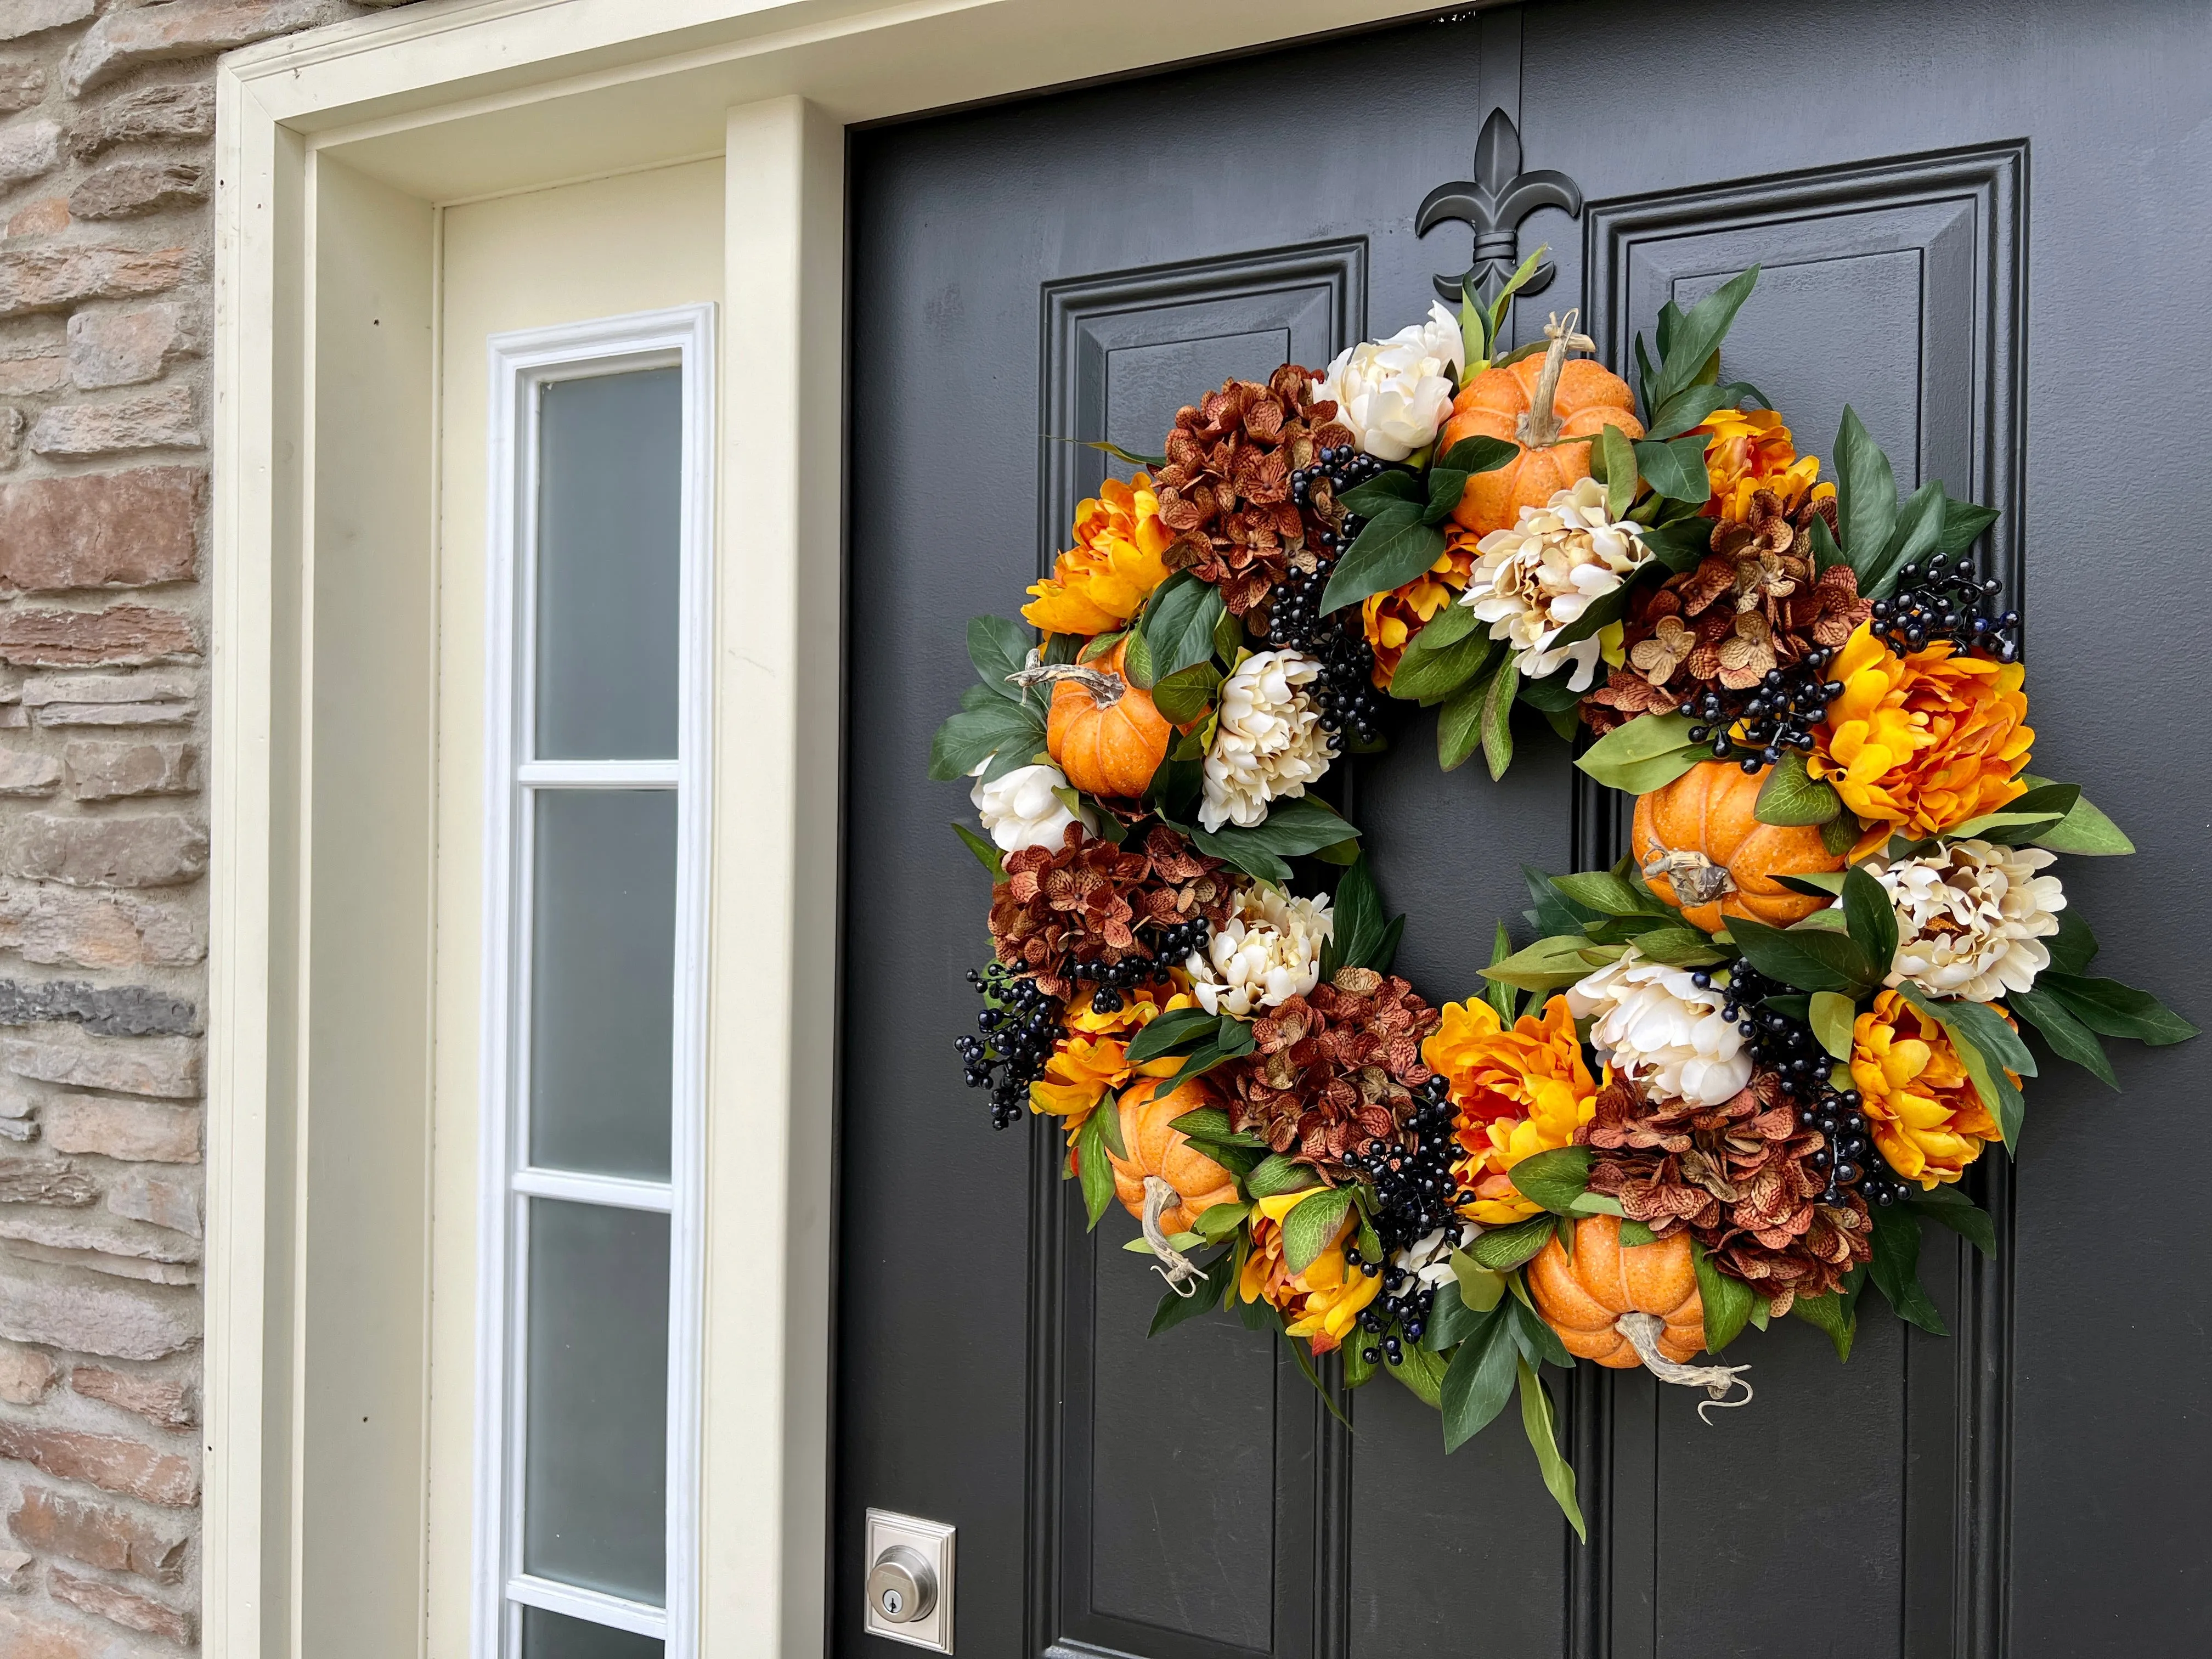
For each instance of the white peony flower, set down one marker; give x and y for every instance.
(1396, 394)
(1265, 952)
(1534, 582)
(1971, 917)
(1657, 1026)
(1426, 1262)
(1020, 810)
(1269, 742)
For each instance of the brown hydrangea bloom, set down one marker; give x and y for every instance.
(1752, 604)
(1086, 901)
(1226, 490)
(1739, 1177)
(1333, 1069)
(1181, 884)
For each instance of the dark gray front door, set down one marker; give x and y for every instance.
(1982, 225)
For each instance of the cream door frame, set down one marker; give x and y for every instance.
(337, 151)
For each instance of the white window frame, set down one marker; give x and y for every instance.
(522, 364)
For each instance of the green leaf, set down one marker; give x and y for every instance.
(986, 853)
(1595, 1203)
(1390, 552)
(1960, 1214)
(1107, 1116)
(1635, 1233)
(975, 735)
(1221, 1220)
(1895, 1269)
(1987, 1048)
(1551, 963)
(1502, 997)
(1871, 918)
(1459, 727)
(1205, 1296)
(1479, 1288)
(1501, 1249)
(2069, 1039)
(999, 648)
(1963, 524)
(1091, 1165)
(1428, 674)
(1727, 1300)
(2086, 832)
(1690, 406)
(1450, 1320)
(1617, 456)
(1292, 829)
(1227, 636)
(1235, 1038)
(1824, 884)
(1840, 834)
(1276, 1174)
(1178, 623)
(1497, 716)
(1312, 1227)
(1676, 470)
(1543, 1439)
(1911, 539)
(1494, 319)
(1831, 1314)
(1682, 543)
(2116, 1010)
(1812, 959)
(1396, 488)
(1137, 660)
(1611, 895)
(2073, 947)
(1211, 1124)
(1791, 795)
(1177, 1030)
(1678, 947)
(1627, 756)
(1866, 494)
(1539, 1343)
(1554, 1179)
(1128, 456)
(1686, 345)
(1477, 455)
(1833, 1015)
(1422, 1373)
(1185, 696)
(1361, 925)
(1479, 1380)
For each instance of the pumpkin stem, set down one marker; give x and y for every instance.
(1180, 1272)
(1695, 877)
(1642, 1330)
(1541, 424)
(1105, 686)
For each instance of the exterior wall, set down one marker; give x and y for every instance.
(106, 157)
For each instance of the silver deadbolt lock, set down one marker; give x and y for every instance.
(903, 1584)
(909, 1587)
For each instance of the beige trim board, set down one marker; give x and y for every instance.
(337, 154)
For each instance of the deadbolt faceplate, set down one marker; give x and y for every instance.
(909, 1583)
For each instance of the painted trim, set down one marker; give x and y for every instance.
(521, 365)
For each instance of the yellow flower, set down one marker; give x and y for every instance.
(1102, 581)
(1322, 1304)
(1392, 619)
(1516, 1093)
(1093, 1058)
(1925, 1113)
(1750, 450)
(1920, 744)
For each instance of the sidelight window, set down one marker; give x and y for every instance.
(588, 1293)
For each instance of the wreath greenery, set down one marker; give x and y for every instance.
(1728, 1078)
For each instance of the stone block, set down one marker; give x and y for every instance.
(111, 771)
(165, 1067)
(129, 347)
(22, 83)
(14, 1573)
(168, 1402)
(43, 1180)
(125, 189)
(85, 1313)
(28, 1633)
(160, 851)
(125, 39)
(112, 529)
(134, 1131)
(93, 1230)
(107, 1009)
(34, 357)
(166, 1201)
(55, 924)
(48, 216)
(121, 637)
(53, 276)
(144, 115)
(98, 1535)
(28, 150)
(25, 1375)
(22, 17)
(100, 1262)
(163, 419)
(155, 699)
(122, 1606)
(22, 773)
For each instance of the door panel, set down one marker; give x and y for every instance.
(1079, 267)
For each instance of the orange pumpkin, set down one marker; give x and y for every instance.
(1703, 851)
(1158, 1148)
(1582, 1297)
(1103, 732)
(1542, 405)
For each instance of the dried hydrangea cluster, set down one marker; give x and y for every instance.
(1730, 1076)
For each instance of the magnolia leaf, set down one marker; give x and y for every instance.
(2069, 1039)
(1823, 883)
(1178, 624)
(1648, 753)
(1960, 1214)
(1611, 895)
(1832, 1314)
(1871, 919)
(986, 855)
(1539, 1343)
(1501, 1249)
(1691, 338)
(1690, 406)
(1177, 1029)
(1989, 1049)
(1227, 636)
(1963, 524)
(1420, 1372)
(1596, 1204)
(1479, 1380)
(1911, 539)
(1185, 696)
(1430, 673)
(1214, 1281)
(1311, 1226)
(1396, 488)
(1676, 469)
(1276, 1174)
(1497, 716)
(1678, 947)
(1459, 727)
(1634, 1234)
(2073, 947)
(2086, 832)
(1477, 455)
(1543, 1439)
(1393, 549)
(1727, 1302)
(1681, 543)
(1866, 494)
(1616, 455)
(1547, 965)
(999, 649)
(1479, 1288)
(1554, 1179)
(975, 736)
(2116, 1010)
(1503, 999)
(1127, 457)
(1211, 1123)
(1833, 1014)
(1095, 1172)
(1895, 1269)
(1812, 959)
(1791, 795)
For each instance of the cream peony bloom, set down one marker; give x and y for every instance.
(1396, 394)
(1269, 742)
(1971, 917)
(1426, 1264)
(1020, 810)
(1534, 582)
(1265, 952)
(1657, 1027)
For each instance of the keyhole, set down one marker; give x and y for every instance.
(894, 1603)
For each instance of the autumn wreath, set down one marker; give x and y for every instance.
(1731, 1076)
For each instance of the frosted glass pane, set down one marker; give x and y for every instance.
(610, 454)
(595, 1462)
(602, 975)
(555, 1636)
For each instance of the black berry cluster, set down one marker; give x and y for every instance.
(1019, 1026)
(1948, 601)
(1759, 726)
(1415, 1194)
(1343, 469)
(1171, 945)
(1110, 980)
(1856, 1161)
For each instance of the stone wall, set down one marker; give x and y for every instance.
(106, 157)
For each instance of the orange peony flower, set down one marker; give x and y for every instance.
(1322, 1304)
(1102, 581)
(1918, 744)
(1517, 1092)
(1925, 1113)
(1093, 1058)
(1392, 619)
(1750, 450)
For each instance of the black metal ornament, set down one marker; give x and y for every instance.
(1494, 203)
